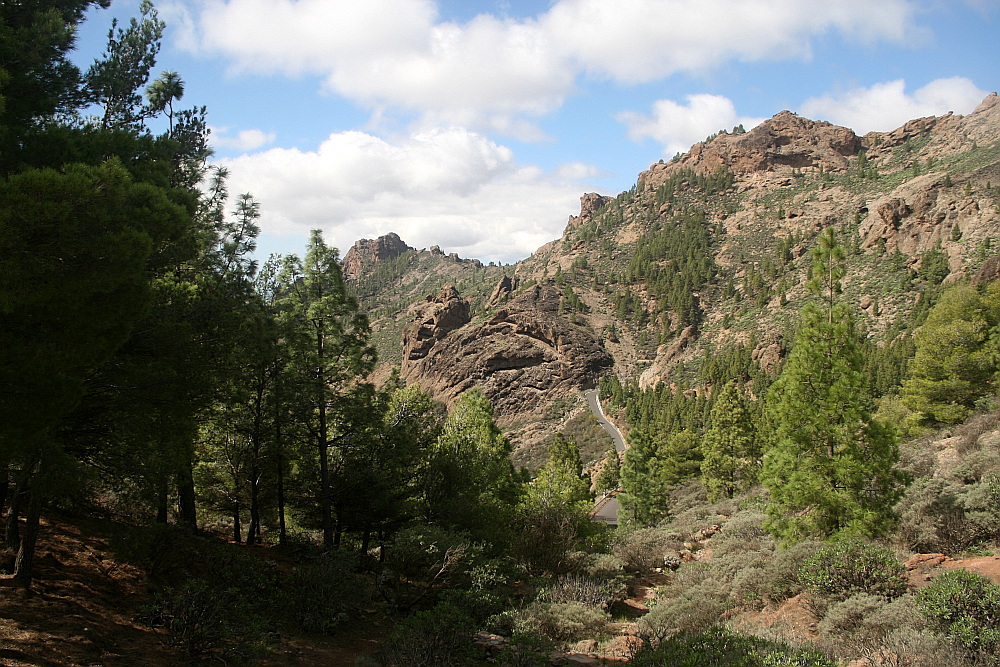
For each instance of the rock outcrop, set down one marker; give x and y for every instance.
(590, 204)
(781, 144)
(521, 357)
(366, 253)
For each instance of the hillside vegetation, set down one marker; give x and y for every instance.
(386, 459)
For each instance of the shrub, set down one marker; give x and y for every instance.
(561, 621)
(780, 579)
(845, 569)
(577, 588)
(937, 515)
(966, 607)
(317, 597)
(644, 549)
(873, 627)
(699, 597)
(200, 617)
(719, 646)
(439, 636)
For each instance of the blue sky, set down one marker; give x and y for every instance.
(477, 125)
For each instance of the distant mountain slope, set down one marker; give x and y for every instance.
(707, 251)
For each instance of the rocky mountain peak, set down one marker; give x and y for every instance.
(785, 142)
(366, 253)
(590, 204)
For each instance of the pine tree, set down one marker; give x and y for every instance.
(956, 354)
(327, 337)
(830, 466)
(729, 447)
(646, 497)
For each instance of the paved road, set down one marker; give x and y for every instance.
(607, 510)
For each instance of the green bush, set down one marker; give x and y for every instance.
(873, 627)
(966, 607)
(698, 598)
(939, 515)
(200, 617)
(644, 549)
(780, 579)
(561, 621)
(720, 647)
(318, 597)
(845, 569)
(439, 636)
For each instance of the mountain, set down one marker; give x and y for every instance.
(706, 253)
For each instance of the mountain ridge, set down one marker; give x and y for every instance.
(743, 207)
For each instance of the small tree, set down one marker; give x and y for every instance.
(830, 466)
(729, 447)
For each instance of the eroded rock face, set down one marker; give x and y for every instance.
(433, 320)
(366, 252)
(520, 357)
(783, 143)
(590, 204)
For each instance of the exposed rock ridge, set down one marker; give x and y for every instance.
(521, 357)
(366, 253)
(782, 143)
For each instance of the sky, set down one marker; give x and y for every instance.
(476, 125)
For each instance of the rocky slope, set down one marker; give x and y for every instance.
(522, 355)
(532, 337)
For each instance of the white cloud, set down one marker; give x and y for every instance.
(501, 73)
(677, 126)
(886, 106)
(244, 140)
(645, 40)
(448, 187)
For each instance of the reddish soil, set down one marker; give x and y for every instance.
(84, 610)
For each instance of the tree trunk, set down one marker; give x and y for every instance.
(12, 532)
(4, 486)
(237, 525)
(24, 564)
(253, 532)
(162, 507)
(326, 511)
(282, 531)
(187, 514)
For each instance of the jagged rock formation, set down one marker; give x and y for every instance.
(366, 252)
(521, 356)
(783, 143)
(892, 196)
(590, 204)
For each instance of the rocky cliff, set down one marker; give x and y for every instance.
(364, 254)
(895, 198)
(521, 356)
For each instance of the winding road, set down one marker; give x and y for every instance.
(606, 509)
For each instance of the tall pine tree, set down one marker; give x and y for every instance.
(830, 467)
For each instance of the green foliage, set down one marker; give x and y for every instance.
(562, 621)
(934, 265)
(830, 468)
(673, 264)
(966, 607)
(878, 629)
(845, 569)
(610, 476)
(470, 483)
(118, 79)
(643, 549)
(651, 467)
(729, 446)
(956, 354)
(720, 647)
(437, 636)
(200, 617)
(947, 516)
